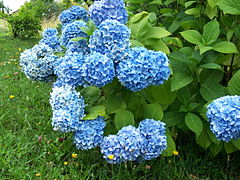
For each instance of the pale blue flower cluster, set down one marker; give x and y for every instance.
(51, 39)
(70, 69)
(112, 39)
(72, 14)
(135, 144)
(68, 108)
(224, 117)
(108, 9)
(37, 63)
(98, 70)
(155, 139)
(73, 30)
(143, 67)
(80, 46)
(89, 133)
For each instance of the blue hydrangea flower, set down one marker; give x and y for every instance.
(70, 70)
(37, 63)
(98, 70)
(111, 149)
(132, 142)
(68, 108)
(89, 133)
(111, 39)
(73, 30)
(142, 67)
(224, 117)
(108, 9)
(50, 32)
(155, 139)
(78, 47)
(53, 42)
(72, 14)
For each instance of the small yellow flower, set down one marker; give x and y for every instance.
(176, 153)
(19, 49)
(74, 155)
(38, 174)
(110, 156)
(7, 76)
(11, 96)
(65, 163)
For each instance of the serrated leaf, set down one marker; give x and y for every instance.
(95, 111)
(135, 43)
(171, 146)
(211, 91)
(194, 123)
(123, 118)
(192, 36)
(211, 32)
(234, 85)
(153, 111)
(229, 6)
(225, 47)
(208, 76)
(211, 66)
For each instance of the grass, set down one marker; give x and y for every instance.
(30, 149)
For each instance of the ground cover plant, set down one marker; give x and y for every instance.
(182, 107)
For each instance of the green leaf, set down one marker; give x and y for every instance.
(212, 3)
(212, 136)
(211, 31)
(192, 36)
(216, 148)
(203, 140)
(236, 143)
(162, 93)
(189, 3)
(135, 43)
(194, 123)
(158, 32)
(203, 48)
(234, 85)
(211, 91)
(182, 76)
(173, 118)
(211, 12)
(225, 47)
(170, 146)
(95, 111)
(157, 45)
(211, 66)
(153, 111)
(229, 6)
(114, 103)
(208, 76)
(158, 2)
(90, 94)
(78, 39)
(137, 17)
(193, 11)
(123, 118)
(229, 147)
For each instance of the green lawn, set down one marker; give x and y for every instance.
(29, 146)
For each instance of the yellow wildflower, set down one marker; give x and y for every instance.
(176, 153)
(110, 156)
(38, 174)
(65, 163)
(11, 96)
(74, 155)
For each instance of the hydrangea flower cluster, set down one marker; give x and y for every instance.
(72, 14)
(224, 117)
(108, 9)
(73, 30)
(111, 39)
(141, 68)
(50, 38)
(37, 63)
(70, 70)
(89, 133)
(98, 70)
(68, 108)
(135, 144)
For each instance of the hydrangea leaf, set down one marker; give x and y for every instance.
(236, 143)
(211, 91)
(173, 118)
(229, 147)
(153, 111)
(234, 85)
(192, 36)
(225, 47)
(114, 103)
(211, 32)
(203, 139)
(123, 118)
(194, 123)
(91, 94)
(94, 112)
(229, 6)
(171, 146)
(216, 148)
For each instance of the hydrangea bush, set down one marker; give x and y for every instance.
(100, 79)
